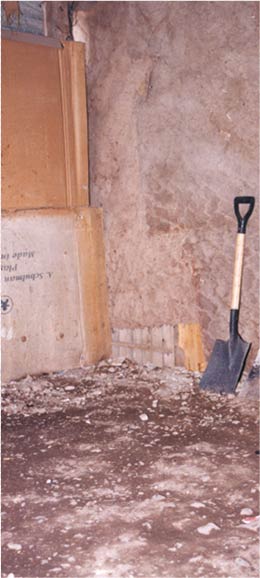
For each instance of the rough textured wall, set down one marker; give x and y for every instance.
(173, 131)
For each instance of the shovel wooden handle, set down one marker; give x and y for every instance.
(238, 270)
(240, 246)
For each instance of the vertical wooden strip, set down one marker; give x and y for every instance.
(157, 338)
(137, 355)
(146, 337)
(137, 336)
(157, 358)
(67, 125)
(190, 347)
(168, 360)
(74, 102)
(93, 286)
(168, 345)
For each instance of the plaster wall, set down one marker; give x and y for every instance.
(173, 138)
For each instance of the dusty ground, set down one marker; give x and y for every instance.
(123, 471)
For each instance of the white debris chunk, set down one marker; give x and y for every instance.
(143, 417)
(177, 546)
(196, 559)
(147, 525)
(251, 523)
(242, 562)
(207, 528)
(246, 512)
(198, 505)
(13, 546)
(158, 497)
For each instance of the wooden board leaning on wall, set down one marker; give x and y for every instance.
(54, 300)
(44, 123)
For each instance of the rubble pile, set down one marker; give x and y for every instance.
(75, 388)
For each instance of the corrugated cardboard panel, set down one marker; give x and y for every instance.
(44, 126)
(54, 301)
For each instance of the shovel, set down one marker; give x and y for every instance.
(228, 358)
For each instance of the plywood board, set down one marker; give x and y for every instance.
(47, 324)
(32, 126)
(189, 349)
(44, 125)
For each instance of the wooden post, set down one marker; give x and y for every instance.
(189, 350)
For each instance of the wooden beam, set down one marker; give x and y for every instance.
(189, 350)
(74, 101)
(96, 330)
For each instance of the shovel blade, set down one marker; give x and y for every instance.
(225, 365)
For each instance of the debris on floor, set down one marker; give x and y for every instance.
(250, 386)
(53, 392)
(127, 471)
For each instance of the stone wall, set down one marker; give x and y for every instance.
(173, 138)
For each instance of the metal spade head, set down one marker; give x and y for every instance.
(225, 365)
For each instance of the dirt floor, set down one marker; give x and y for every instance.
(124, 471)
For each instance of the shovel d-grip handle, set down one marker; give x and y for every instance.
(243, 220)
(240, 245)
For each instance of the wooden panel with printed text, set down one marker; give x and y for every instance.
(54, 295)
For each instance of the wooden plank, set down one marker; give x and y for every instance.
(168, 360)
(44, 125)
(33, 170)
(137, 355)
(189, 350)
(54, 297)
(157, 337)
(146, 337)
(168, 345)
(137, 336)
(115, 345)
(125, 352)
(125, 336)
(93, 286)
(157, 358)
(74, 101)
(41, 329)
